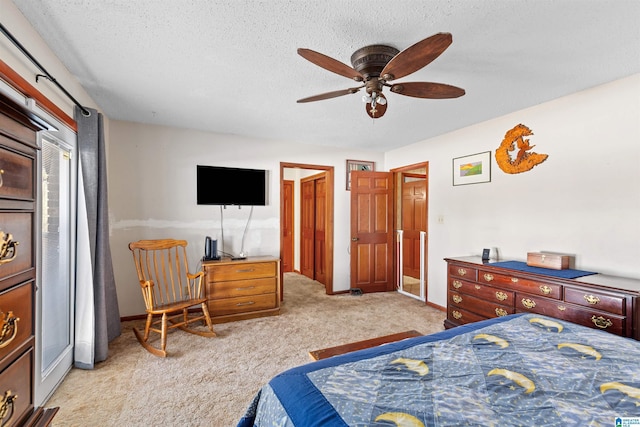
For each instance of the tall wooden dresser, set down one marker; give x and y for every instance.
(18, 192)
(242, 289)
(478, 290)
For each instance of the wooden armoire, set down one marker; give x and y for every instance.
(18, 222)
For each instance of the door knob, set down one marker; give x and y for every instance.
(354, 239)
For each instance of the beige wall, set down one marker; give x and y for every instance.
(583, 200)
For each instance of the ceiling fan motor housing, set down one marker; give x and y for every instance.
(371, 60)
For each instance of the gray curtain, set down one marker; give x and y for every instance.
(100, 318)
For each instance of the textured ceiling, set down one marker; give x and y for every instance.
(230, 66)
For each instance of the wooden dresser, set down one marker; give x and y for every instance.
(478, 291)
(18, 192)
(242, 289)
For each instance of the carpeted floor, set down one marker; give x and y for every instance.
(211, 381)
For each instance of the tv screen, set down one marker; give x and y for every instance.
(231, 186)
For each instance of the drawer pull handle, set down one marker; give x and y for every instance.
(592, 299)
(501, 296)
(501, 312)
(8, 248)
(457, 284)
(478, 287)
(245, 303)
(514, 279)
(245, 270)
(562, 308)
(488, 277)
(246, 288)
(462, 271)
(456, 314)
(1, 178)
(9, 328)
(545, 289)
(601, 322)
(528, 303)
(6, 407)
(457, 299)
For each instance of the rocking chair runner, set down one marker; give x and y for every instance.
(169, 290)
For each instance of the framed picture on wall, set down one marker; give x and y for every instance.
(357, 165)
(472, 169)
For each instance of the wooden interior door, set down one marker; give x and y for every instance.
(320, 263)
(307, 228)
(372, 231)
(414, 219)
(287, 228)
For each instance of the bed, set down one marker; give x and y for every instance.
(517, 370)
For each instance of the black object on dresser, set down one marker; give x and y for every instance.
(478, 290)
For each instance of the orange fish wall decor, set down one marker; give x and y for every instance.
(513, 155)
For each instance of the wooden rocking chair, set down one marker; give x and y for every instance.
(169, 290)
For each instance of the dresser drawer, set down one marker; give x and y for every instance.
(460, 316)
(16, 380)
(16, 175)
(223, 307)
(237, 288)
(572, 313)
(516, 283)
(596, 300)
(484, 308)
(485, 292)
(15, 317)
(240, 271)
(19, 225)
(463, 272)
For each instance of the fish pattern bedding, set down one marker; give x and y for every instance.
(518, 370)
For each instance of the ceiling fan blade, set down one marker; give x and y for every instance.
(417, 56)
(329, 95)
(427, 90)
(330, 64)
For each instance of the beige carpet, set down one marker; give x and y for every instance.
(211, 381)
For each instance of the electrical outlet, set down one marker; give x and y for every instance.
(440, 219)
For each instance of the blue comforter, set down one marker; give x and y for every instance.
(520, 370)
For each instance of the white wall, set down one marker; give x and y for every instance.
(152, 194)
(583, 200)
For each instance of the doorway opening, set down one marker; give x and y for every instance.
(411, 214)
(306, 221)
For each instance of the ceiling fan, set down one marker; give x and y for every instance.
(376, 65)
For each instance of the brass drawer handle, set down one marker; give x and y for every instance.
(246, 288)
(501, 312)
(528, 303)
(457, 299)
(501, 296)
(601, 322)
(245, 303)
(478, 287)
(6, 406)
(456, 314)
(488, 277)
(545, 289)
(246, 270)
(457, 284)
(462, 271)
(562, 308)
(8, 248)
(1, 178)
(592, 299)
(514, 279)
(9, 327)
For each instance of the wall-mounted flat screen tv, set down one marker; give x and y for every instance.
(231, 186)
